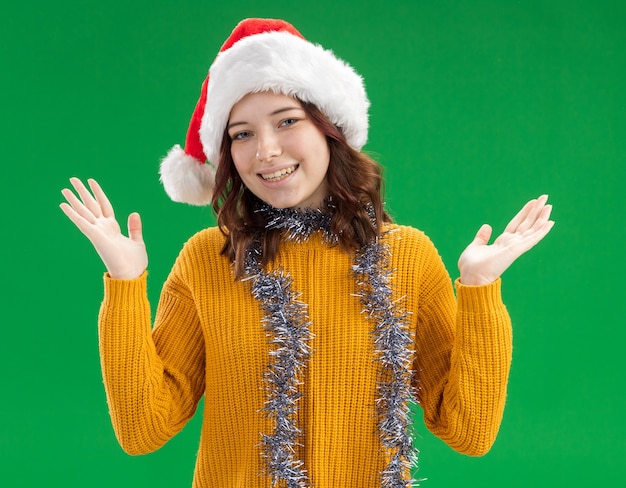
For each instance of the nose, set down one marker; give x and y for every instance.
(268, 146)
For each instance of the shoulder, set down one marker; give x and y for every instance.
(205, 245)
(201, 254)
(208, 236)
(404, 235)
(407, 242)
(200, 268)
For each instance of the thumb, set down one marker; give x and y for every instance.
(134, 227)
(483, 235)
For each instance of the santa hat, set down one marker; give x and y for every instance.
(261, 55)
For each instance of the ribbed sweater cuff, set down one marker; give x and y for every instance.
(479, 299)
(122, 292)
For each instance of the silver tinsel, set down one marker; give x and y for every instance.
(393, 349)
(298, 225)
(287, 324)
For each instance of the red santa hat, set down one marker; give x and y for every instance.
(261, 55)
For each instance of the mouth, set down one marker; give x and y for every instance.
(280, 174)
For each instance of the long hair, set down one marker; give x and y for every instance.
(355, 185)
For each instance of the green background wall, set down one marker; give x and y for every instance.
(477, 106)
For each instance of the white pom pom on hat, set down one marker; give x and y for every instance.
(261, 55)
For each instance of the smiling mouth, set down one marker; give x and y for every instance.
(279, 175)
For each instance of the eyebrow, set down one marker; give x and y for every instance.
(275, 112)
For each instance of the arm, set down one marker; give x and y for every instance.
(463, 359)
(154, 379)
(464, 349)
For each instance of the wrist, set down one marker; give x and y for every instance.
(475, 280)
(125, 276)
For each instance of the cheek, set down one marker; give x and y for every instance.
(323, 152)
(239, 159)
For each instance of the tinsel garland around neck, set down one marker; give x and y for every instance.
(287, 324)
(298, 224)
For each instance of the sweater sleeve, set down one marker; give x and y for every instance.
(464, 349)
(154, 379)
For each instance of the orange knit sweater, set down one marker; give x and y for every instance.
(208, 340)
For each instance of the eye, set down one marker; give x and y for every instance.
(288, 122)
(240, 136)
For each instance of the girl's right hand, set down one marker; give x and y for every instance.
(124, 257)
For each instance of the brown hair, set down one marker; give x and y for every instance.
(354, 181)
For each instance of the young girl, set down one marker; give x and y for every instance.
(307, 319)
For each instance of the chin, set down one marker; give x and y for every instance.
(280, 202)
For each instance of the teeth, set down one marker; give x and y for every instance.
(277, 175)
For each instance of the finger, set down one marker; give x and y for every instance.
(526, 215)
(87, 198)
(101, 198)
(545, 213)
(79, 221)
(134, 227)
(483, 235)
(534, 213)
(519, 217)
(533, 239)
(78, 206)
(540, 221)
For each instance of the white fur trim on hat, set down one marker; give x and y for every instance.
(185, 179)
(286, 64)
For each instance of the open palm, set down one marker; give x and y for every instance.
(481, 263)
(124, 257)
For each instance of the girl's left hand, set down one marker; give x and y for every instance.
(481, 263)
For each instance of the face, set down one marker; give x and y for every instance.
(279, 153)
